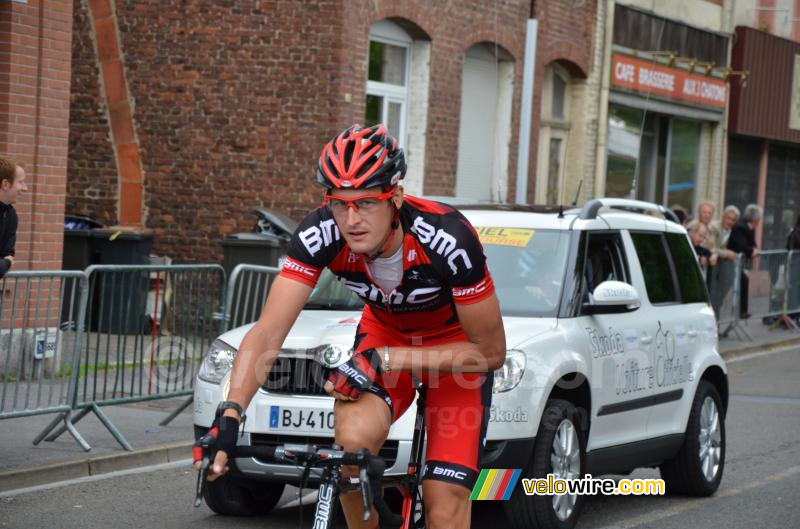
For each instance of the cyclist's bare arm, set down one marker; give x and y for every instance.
(260, 348)
(262, 343)
(484, 350)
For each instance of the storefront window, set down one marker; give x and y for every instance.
(685, 137)
(741, 182)
(624, 126)
(660, 150)
(782, 203)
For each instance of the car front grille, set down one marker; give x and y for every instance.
(388, 452)
(296, 376)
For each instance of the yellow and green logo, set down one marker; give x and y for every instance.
(495, 484)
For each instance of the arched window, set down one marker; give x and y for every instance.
(487, 89)
(397, 88)
(553, 134)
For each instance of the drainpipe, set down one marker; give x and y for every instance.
(602, 107)
(526, 108)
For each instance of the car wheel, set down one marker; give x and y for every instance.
(235, 496)
(697, 469)
(560, 449)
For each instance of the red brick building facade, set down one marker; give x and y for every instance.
(35, 44)
(184, 117)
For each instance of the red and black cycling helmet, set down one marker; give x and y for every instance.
(361, 157)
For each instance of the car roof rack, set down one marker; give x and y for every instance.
(591, 208)
(526, 208)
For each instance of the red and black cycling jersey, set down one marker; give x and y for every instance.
(443, 264)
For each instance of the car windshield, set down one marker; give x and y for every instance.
(330, 294)
(527, 267)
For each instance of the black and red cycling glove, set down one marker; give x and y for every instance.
(355, 376)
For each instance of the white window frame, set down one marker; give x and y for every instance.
(387, 32)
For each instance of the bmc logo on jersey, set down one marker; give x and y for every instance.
(294, 266)
(470, 291)
(373, 293)
(317, 237)
(442, 243)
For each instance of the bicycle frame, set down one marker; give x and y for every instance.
(408, 484)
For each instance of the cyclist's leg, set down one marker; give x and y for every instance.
(457, 416)
(365, 423)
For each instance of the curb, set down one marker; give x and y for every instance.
(757, 348)
(92, 466)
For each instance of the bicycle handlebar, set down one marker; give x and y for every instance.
(371, 469)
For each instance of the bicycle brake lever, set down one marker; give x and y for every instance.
(366, 493)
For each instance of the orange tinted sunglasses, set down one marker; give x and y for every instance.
(365, 203)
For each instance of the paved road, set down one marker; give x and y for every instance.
(760, 488)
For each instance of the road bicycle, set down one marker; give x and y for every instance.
(371, 481)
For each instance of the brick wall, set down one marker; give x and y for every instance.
(91, 171)
(231, 103)
(35, 40)
(566, 36)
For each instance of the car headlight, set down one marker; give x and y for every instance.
(217, 362)
(507, 377)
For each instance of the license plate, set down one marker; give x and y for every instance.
(306, 420)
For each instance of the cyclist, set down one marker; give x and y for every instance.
(430, 308)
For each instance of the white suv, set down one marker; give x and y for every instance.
(612, 362)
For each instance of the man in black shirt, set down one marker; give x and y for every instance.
(12, 184)
(743, 240)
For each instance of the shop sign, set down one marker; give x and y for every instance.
(794, 107)
(651, 78)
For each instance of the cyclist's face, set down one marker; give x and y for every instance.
(364, 222)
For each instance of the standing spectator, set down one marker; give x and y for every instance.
(12, 184)
(720, 277)
(743, 241)
(698, 232)
(705, 213)
(723, 229)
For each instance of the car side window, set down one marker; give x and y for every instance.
(656, 267)
(690, 279)
(605, 260)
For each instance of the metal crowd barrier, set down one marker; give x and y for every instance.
(247, 293)
(144, 332)
(723, 289)
(38, 354)
(773, 280)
